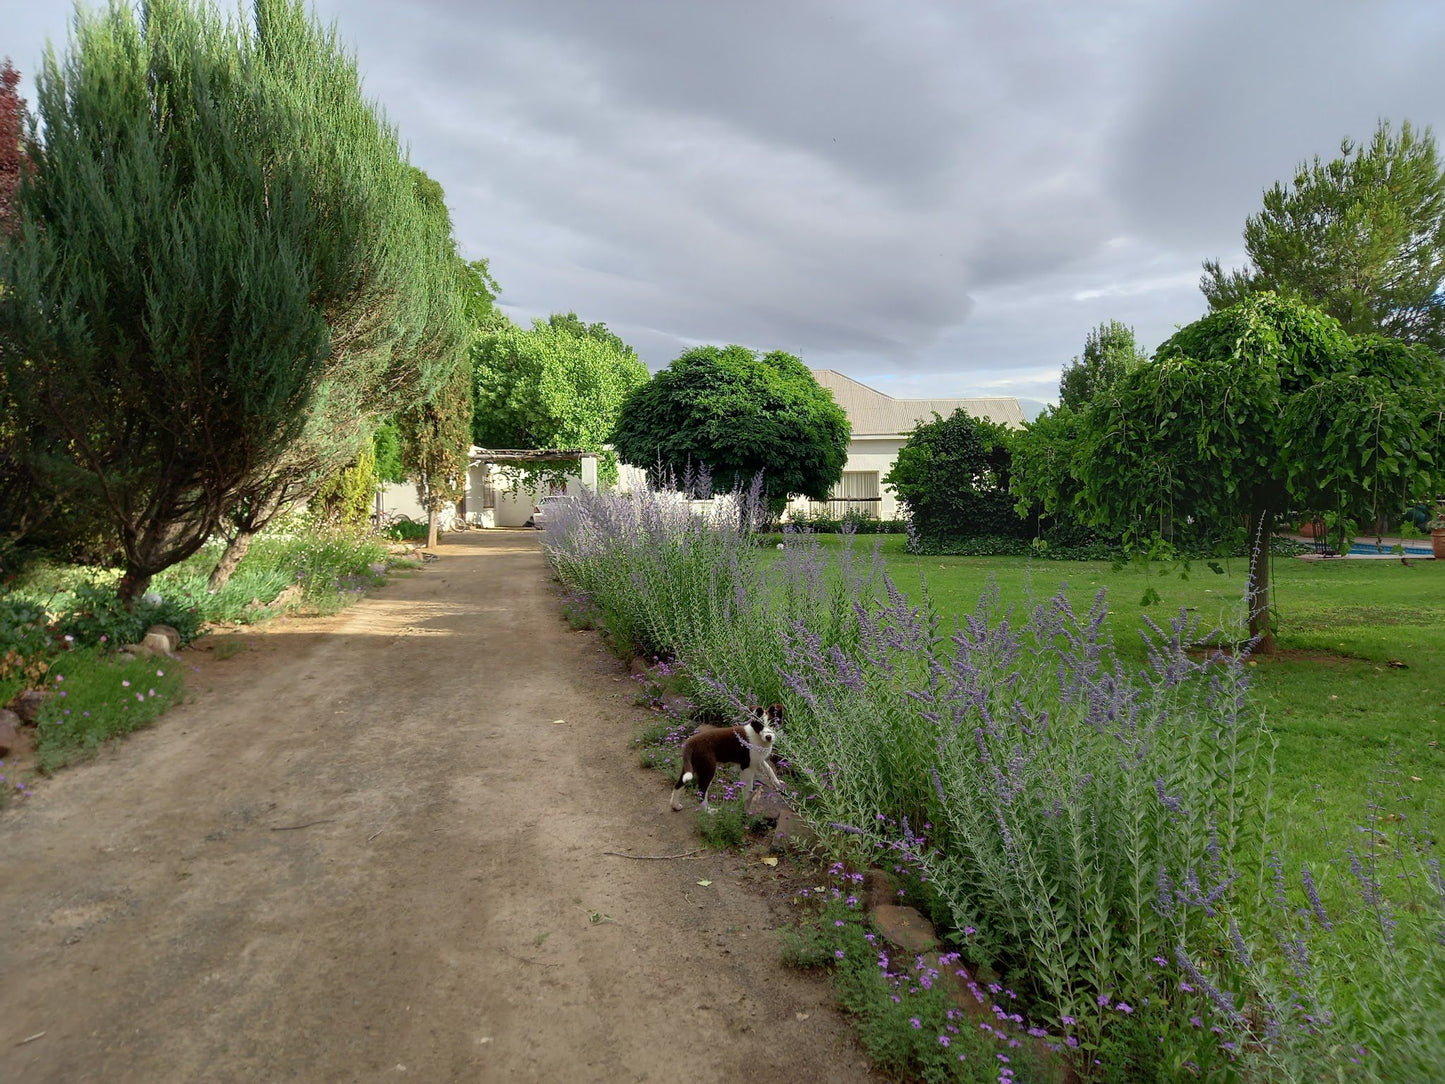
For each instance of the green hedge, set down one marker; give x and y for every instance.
(1091, 550)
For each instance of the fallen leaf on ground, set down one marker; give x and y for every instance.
(770, 861)
(704, 884)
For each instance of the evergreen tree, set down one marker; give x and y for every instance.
(220, 240)
(1361, 237)
(398, 367)
(435, 446)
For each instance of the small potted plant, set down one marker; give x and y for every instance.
(1436, 527)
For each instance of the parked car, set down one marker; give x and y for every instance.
(539, 511)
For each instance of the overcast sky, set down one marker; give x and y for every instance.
(937, 198)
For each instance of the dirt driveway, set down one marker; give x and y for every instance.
(370, 848)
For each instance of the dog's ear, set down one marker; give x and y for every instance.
(775, 714)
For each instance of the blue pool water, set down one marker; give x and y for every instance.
(1412, 549)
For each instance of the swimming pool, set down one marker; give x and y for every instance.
(1369, 549)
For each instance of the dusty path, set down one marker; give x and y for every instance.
(442, 916)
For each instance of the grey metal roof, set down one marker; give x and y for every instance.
(872, 413)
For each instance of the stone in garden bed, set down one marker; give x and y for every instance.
(9, 731)
(768, 803)
(905, 927)
(792, 833)
(27, 705)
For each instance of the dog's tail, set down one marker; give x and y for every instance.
(683, 779)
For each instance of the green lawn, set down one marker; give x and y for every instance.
(1345, 719)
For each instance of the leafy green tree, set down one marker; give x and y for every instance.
(480, 292)
(1045, 458)
(570, 321)
(552, 386)
(952, 474)
(738, 413)
(1109, 353)
(1257, 410)
(1361, 237)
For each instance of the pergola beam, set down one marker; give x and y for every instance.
(529, 455)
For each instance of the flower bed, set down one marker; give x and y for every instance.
(1105, 835)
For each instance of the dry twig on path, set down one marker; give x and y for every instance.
(654, 857)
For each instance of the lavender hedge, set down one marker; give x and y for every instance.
(1105, 837)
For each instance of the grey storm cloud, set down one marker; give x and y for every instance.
(938, 197)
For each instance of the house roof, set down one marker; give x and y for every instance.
(872, 413)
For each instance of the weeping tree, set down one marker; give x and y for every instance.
(215, 226)
(1261, 409)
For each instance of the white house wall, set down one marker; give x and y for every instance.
(399, 499)
(514, 507)
(869, 454)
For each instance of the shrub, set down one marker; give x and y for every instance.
(345, 496)
(406, 530)
(96, 616)
(850, 521)
(909, 1023)
(25, 640)
(953, 475)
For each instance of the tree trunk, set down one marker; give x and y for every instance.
(132, 585)
(235, 550)
(431, 529)
(1260, 629)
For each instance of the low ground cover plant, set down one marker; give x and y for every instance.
(926, 1017)
(96, 696)
(1101, 823)
(61, 626)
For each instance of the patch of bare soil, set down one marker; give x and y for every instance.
(370, 847)
(1207, 653)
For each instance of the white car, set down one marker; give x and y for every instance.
(539, 511)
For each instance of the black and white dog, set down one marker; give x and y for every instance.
(748, 746)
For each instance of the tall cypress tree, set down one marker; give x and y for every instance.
(217, 224)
